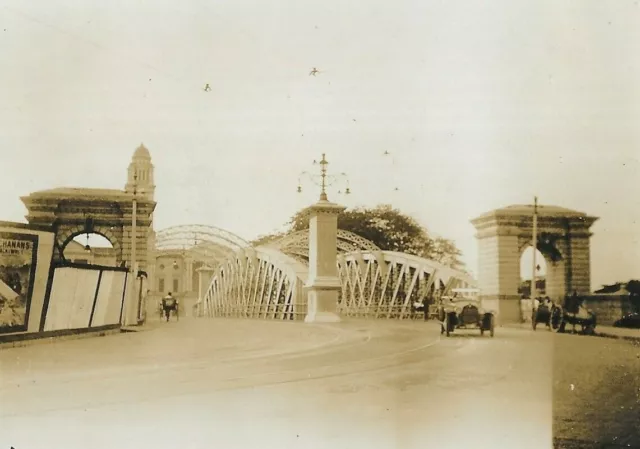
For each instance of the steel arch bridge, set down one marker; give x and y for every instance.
(207, 244)
(267, 281)
(257, 283)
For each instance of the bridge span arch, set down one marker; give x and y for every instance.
(268, 281)
(386, 284)
(257, 282)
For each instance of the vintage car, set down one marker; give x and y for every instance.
(464, 312)
(631, 321)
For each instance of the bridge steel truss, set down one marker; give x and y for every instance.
(257, 283)
(387, 284)
(266, 283)
(202, 243)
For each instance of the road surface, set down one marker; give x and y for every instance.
(596, 393)
(255, 384)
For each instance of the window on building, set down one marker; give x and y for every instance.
(175, 285)
(161, 285)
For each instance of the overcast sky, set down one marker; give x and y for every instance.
(481, 104)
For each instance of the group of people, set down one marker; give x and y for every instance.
(546, 302)
(571, 303)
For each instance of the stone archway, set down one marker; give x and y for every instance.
(554, 253)
(503, 234)
(69, 233)
(73, 211)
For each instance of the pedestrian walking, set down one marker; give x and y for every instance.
(170, 303)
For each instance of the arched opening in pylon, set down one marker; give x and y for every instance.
(90, 248)
(527, 272)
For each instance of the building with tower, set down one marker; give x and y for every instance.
(140, 174)
(71, 212)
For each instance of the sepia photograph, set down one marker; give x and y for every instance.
(320, 225)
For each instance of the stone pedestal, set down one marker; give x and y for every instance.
(323, 284)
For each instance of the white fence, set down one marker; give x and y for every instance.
(85, 297)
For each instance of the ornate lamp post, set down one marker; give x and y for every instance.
(323, 180)
(323, 283)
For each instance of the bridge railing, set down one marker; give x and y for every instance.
(258, 283)
(387, 284)
(266, 283)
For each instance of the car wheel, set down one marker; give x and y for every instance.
(556, 320)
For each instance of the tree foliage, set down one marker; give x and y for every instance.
(633, 287)
(390, 230)
(268, 238)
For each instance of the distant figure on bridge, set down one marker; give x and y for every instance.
(170, 303)
(425, 307)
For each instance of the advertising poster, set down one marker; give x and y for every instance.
(17, 270)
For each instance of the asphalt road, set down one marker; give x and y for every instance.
(596, 392)
(255, 384)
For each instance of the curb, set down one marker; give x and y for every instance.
(618, 337)
(50, 340)
(605, 334)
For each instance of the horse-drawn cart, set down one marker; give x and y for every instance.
(556, 317)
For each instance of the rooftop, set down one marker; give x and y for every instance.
(79, 192)
(142, 152)
(527, 210)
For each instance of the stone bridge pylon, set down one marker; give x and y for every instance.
(504, 234)
(70, 212)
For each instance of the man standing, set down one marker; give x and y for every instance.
(170, 303)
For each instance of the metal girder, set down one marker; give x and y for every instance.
(203, 243)
(266, 282)
(297, 243)
(257, 283)
(385, 284)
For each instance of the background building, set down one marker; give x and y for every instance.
(77, 253)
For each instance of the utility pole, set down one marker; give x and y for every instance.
(534, 243)
(133, 245)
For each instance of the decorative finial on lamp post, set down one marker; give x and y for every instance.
(323, 174)
(324, 180)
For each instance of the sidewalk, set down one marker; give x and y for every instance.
(601, 331)
(618, 332)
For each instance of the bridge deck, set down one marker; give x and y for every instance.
(263, 384)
